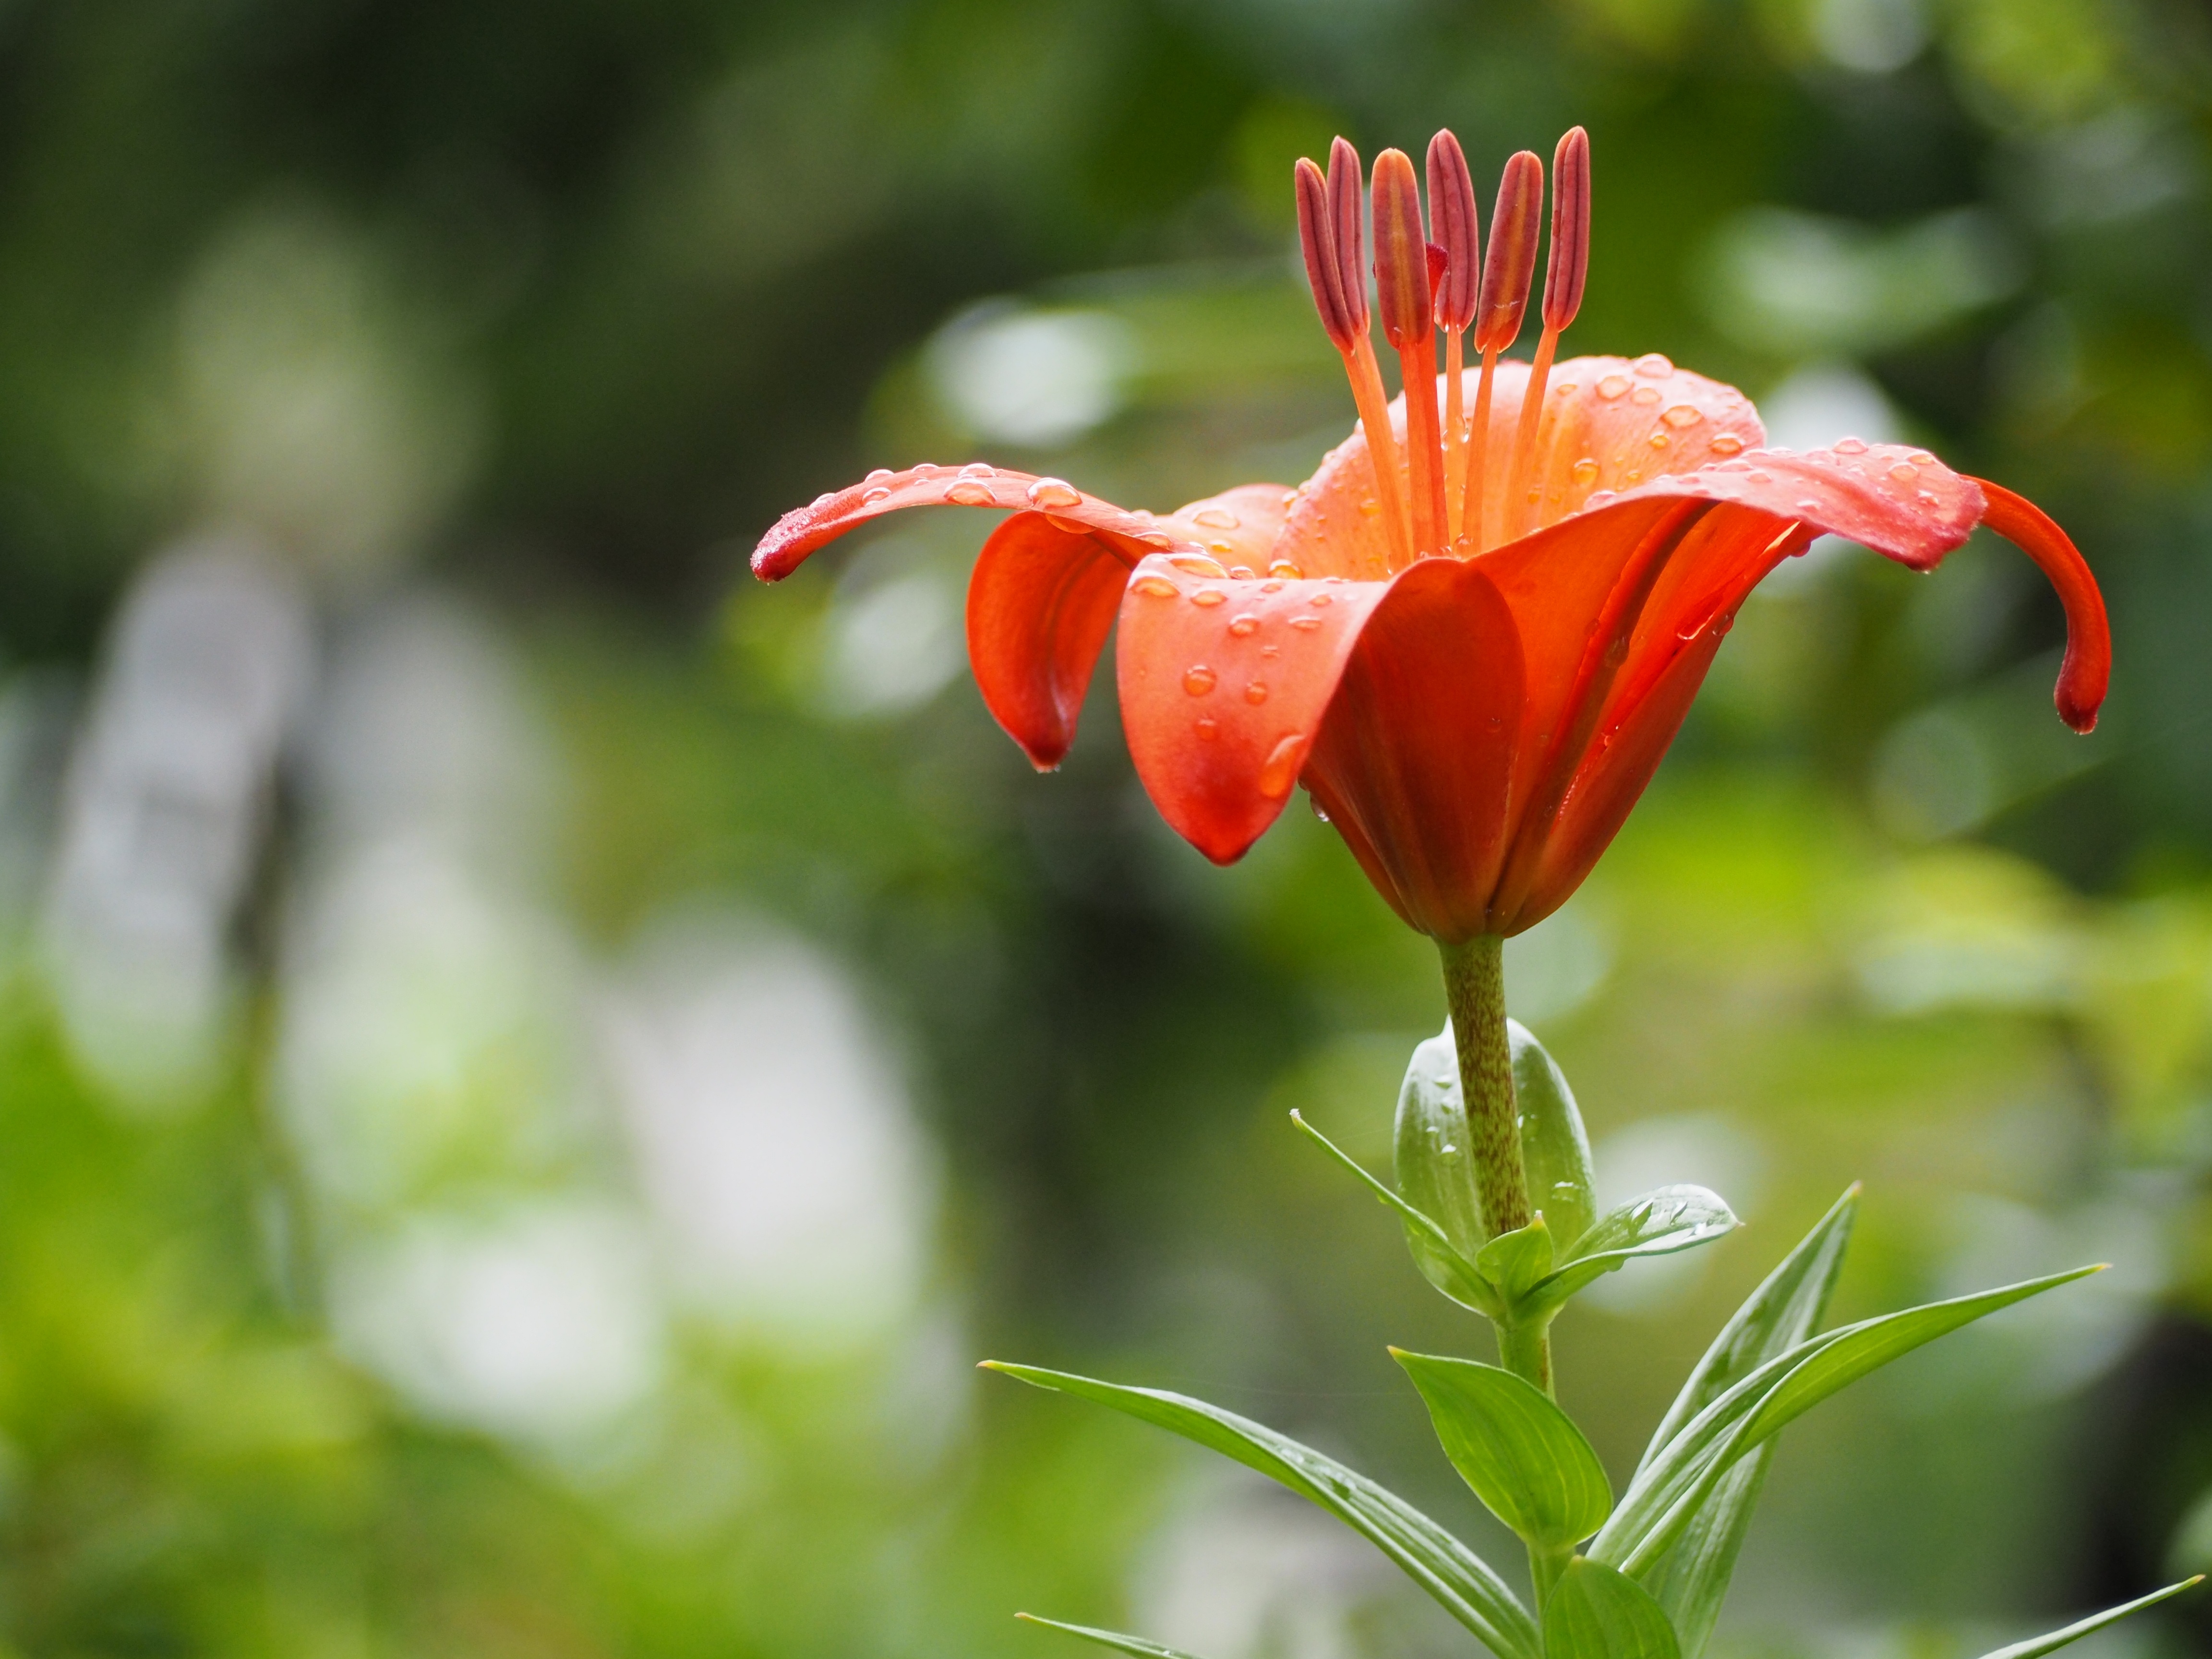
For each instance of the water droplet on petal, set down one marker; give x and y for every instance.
(1271, 587)
(881, 473)
(1286, 570)
(1565, 389)
(1305, 624)
(1851, 446)
(1371, 506)
(1645, 395)
(822, 501)
(1809, 504)
(1156, 538)
(1922, 458)
(1216, 517)
(1054, 492)
(980, 471)
(1584, 471)
(1256, 692)
(970, 492)
(1157, 587)
(1072, 526)
(870, 497)
(1725, 443)
(1682, 415)
(1634, 477)
(1660, 441)
(1925, 497)
(1600, 497)
(1280, 770)
(1905, 472)
(1613, 385)
(1242, 572)
(1319, 598)
(1209, 597)
(1762, 477)
(1198, 679)
(1197, 564)
(1207, 730)
(1654, 366)
(1244, 626)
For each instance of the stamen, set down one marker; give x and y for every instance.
(1318, 243)
(1506, 275)
(1403, 291)
(1563, 296)
(1453, 224)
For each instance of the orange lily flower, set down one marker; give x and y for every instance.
(1471, 638)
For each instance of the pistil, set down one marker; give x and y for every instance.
(1506, 277)
(1563, 296)
(1404, 295)
(1330, 237)
(1453, 226)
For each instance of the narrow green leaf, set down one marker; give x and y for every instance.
(2040, 1645)
(1436, 1172)
(1449, 1571)
(1518, 1262)
(1108, 1638)
(1439, 1259)
(1690, 1580)
(1524, 1457)
(1554, 1147)
(1660, 1222)
(1661, 1500)
(1595, 1613)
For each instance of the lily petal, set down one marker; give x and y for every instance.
(1223, 684)
(805, 531)
(1040, 604)
(2087, 672)
(1238, 526)
(1415, 757)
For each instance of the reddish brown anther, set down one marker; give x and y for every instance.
(1512, 263)
(1401, 252)
(1317, 240)
(1452, 225)
(1346, 188)
(1571, 220)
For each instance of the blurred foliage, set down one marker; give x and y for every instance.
(557, 307)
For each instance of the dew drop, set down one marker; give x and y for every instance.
(1245, 626)
(1289, 498)
(1584, 471)
(1654, 366)
(1207, 730)
(1370, 506)
(1922, 458)
(1280, 769)
(1156, 538)
(1208, 597)
(1566, 389)
(1660, 441)
(1271, 651)
(1925, 497)
(1634, 477)
(1286, 570)
(1318, 813)
(1157, 587)
(1725, 443)
(1305, 624)
(923, 469)
(1257, 693)
(1216, 517)
(1808, 505)
(1242, 572)
(1905, 472)
(970, 492)
(1319, 598)
(1600, 497)
(1682, 415)
(1054, 492)
(1613, 385)
(1762, 477)
(822, 501)
(878, 475)
(979, 470)
(869, 498)
(1851, 446)
(1072, 526)
(1271, 587)
(1197, 564)
(1645, 395)
(1198, 679)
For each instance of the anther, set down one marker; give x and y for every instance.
(1456, 234)
(1344, 194)
(1317, 241)
(1403, 294)
(1563, 297)
(1505, 296)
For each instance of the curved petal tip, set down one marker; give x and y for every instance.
(2087, 672)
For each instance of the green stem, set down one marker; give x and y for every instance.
(1544, 1567)
(1475, 990)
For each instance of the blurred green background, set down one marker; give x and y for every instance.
(531, 1067)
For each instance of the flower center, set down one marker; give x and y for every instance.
(1432, 281)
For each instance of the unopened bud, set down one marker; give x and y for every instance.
(1453, 226)
(1317, 241)
(1512, 261)
(1346, 188)
(1401, 252)
(1571, 217)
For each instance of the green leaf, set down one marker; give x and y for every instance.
(2058, 1638)
(1518, 1262)
(1108, 1638)
(1440, 1260)
(1525, 1459)
(1691, 1578)
(1436, 1172)
(1595, 1613)
(1449, 1571)
(1661, 1222)
(1554, 1148)
(1668, 1492)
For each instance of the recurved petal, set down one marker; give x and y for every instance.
(1238, 526)
(2087, 669)
(1040, 604)
(1223, 683)
(1415, 759)
(805, 530)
